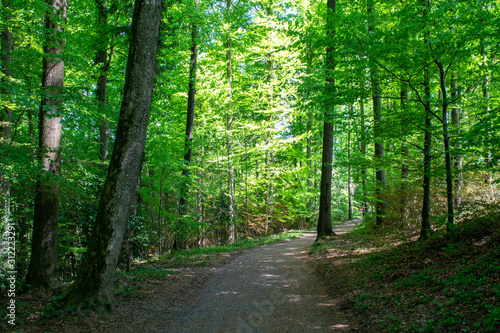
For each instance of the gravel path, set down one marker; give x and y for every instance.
(267, 289)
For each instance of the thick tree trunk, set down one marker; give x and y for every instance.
(325, 210)
(94, 284)
(102, 81)
(447, 153)
(43, 271)
(180, 241)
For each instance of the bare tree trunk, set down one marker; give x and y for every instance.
(94, 284)
(362, 148)
(269, 153)
(381, 205)
(349, 178)
(6, 68)
(180, 239)
(425, 229)
(102, 81)
(458, 159)
(229, 128)
(309, 143)
(43, 270)
(446, 141)
(404, 157)
(7, 44)
(325, 210)
(486, 97)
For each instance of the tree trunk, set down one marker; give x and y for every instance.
(325, 210)
(349, 178)
(269, 153)
(447, 154)
(7, 44)
(180, 239)
(43, 271)
(486, 97)
(102, 81)
(229, 129)
(94, 284)
(309, 142)
(362, 147)
(458, 159)
(405, 169)
(381, 205)
(6, 64)
(425, 229)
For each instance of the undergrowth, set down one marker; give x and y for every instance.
(450, 283)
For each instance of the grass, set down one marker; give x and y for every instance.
(445, 284)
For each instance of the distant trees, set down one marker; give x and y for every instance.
(279, 97)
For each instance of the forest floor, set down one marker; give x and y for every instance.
(388, 281)
(271, 288)
(363, 281)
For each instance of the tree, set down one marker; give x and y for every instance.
(380, 177)
(325, 220)
(94, 283)
(43, 269)
(7, 44)
(229, 124)
(179, 241)
(104, 60)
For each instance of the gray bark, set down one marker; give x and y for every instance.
(229, 129)
(43, 270)
(324, 227)
(102, 81)
(94, 284)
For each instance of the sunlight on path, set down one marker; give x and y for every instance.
(268, 289)
(346, 226)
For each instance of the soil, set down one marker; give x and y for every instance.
(273, 288)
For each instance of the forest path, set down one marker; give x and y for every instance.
(268, 289)
(272, 288)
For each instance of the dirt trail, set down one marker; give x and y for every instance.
(271, 288)
(268, 289)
